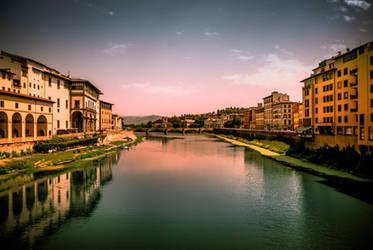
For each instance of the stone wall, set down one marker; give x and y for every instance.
(16, 146)
(341, 140)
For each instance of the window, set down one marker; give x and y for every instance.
(49, 82)
(345, 71)
(331, 97)
(331, 87)
(50, 110)
(58, 84)
(41, 109)
(370, 133)
(34, 86)
(2, 104)
(371, 103)
(38, 86)
(339, 96)
(316, 120)
(316, 100)
(339, 119)
(361, 133)
(316, 110)
(24, 85)
(29, 107)
(345, 95)
(371, 88)
(371, 74)
(315, 90)
(30, 84)
(361, 119)
(339, 73)
(345, 83)
(339, 107)
(16, 105)
(331, 108)
(50, 98)
(67, 124)
(346, 118)
(77, 104)
(58, 123)
(58, 102)
(345, 107)
(371, 117)
(339, 84)
(67, 104)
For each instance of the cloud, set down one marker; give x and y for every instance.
(348, 10)
(348, 18)
(358, 3)
(207, 33)
(117, 48)
(111, 13)
(179, 33)
(283, 50)
(241, 55)
(154, 89)
(275, 73)
(363, 30)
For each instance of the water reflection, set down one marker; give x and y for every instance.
(30, 211)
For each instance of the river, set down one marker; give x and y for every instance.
(191, 192)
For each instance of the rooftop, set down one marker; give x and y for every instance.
(25, 96)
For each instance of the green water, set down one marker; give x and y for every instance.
(190, 193)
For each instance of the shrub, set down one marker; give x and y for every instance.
(63, 143)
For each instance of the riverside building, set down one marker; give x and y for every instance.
(106, 116)
(269, 101)
(338, 96)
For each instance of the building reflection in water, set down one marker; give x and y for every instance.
(38, 208)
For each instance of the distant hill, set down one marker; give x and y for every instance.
(140, 119)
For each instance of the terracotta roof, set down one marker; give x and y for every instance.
(83, 80)
(318, 74)
(25, 96)
(106, 102)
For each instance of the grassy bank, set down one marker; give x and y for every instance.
(38, 162)
(276, 151)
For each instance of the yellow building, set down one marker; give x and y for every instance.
(106, 116)
(23, 117)
(117, 122)
(338, 96)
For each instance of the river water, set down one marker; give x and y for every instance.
(192, 192)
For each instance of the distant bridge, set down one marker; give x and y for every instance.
(174, 130)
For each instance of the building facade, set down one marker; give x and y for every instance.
(106, 115)
(117, 122)
(23, 117)
(338, 96)
(85, 109)
(282, 115)
(269, 101)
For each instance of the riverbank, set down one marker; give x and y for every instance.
(57, 161)
(344, 182)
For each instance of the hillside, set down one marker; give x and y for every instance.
(140, 119)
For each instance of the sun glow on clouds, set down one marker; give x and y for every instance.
(156, 89)
(276, 73)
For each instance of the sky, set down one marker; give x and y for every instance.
(171, 57)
